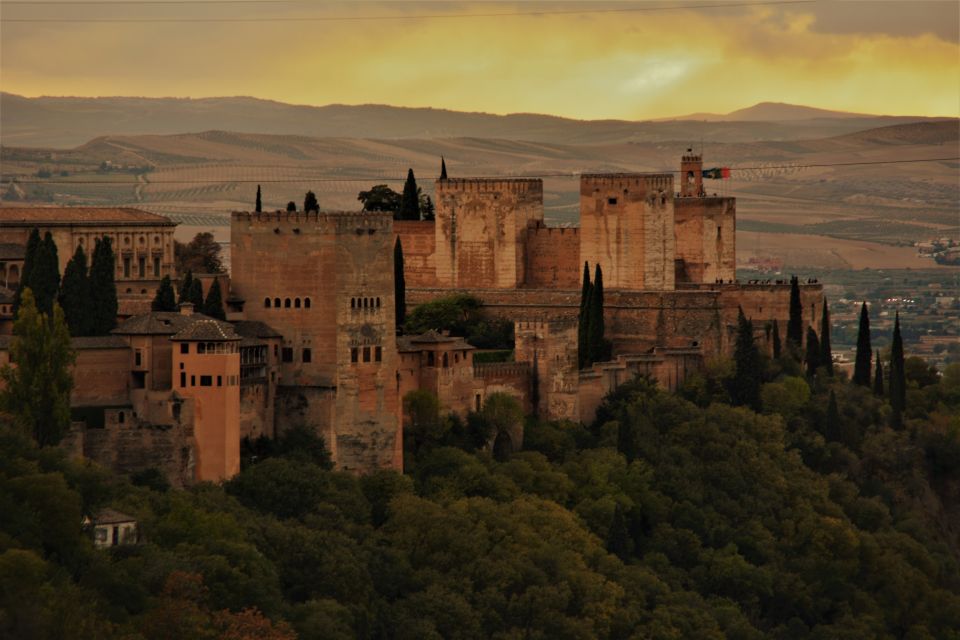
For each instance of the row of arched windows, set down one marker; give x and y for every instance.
(364, 303)
(287, 303)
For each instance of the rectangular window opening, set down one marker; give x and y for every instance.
(307, 355)
(206, 381)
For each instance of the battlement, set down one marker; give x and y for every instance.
(537, 229)
(358, 222)
(492, 185)
(544, 325)
(500, 369)
(692, 158)
(645, 181)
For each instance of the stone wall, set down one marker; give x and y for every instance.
(552, 346)
(512, 378)
(553, 257)
(418, 238)
(705, 234)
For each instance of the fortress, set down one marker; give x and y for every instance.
(311, 337)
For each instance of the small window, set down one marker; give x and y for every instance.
(201, 347)
(378, 354)
(193, 381)
(276, 303)
(306, 355)
(120, 417)
(276, 351)
(446, 361)
(219, 381)
(266, 303)
(184, 347)
(126, 268)
(306, 303)
(142, 266)
(206, 381)
(365, 303)
(611, 201)
(429, 358)
(353, 303)
(378, 303)
(366, 354)
(156, 266)
(287, 354)
(477, 402)
(137, 358)
(286, 303)
(183, 379)
(353, 354)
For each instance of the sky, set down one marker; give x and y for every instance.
(629, 60)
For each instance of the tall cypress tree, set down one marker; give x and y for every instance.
(75, 295)
(619, 541)
(443, 168)
(29, 263)
(103, 288)
(583, 344)
(777, 346)
(259, 204)
(826, 353)
(310, 202)
(164, 300)
(45, 275)
(410, 200)
(898, 380)
(861, 367)
(795, 324)
(595, 326)
(213, 305)
(878, 378)
(183, 295)
(399, 285)
(746, 378)
(812, 358)
(196, 295)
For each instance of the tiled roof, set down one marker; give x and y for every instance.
(17, 216)
(111, 516)
(431, 337)
(207, 329)
(12, 250)
(157, 323)
(255, 329)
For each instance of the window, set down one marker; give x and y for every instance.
(477, 402)
(276, 302)
(126, 268)
(353, 303)
(446, 361)
(137, 358)
(364, 303)
(184, 347)
(306, 303)
(121, 417)
(142, 266)
(378, 303)
(276, 351)
(193, 381)
(288, 354)
(266, 303)
(307, 355)
(201, 347)
(429, 358)
(611, 201)
(286, 303)
(296, 303)
(219, 381)
(206, 381)
(354, 354)
(378, 354)
(366, 354)
(183, 379)
(156, 266)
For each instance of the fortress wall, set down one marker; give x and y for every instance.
(553, 345)
(553, 257)
(512, 378)
(418, 238)
(705, 235)
(101, 376)
(256, 410)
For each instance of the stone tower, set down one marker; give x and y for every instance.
(325, 282)
(691, 175)
(626, 226)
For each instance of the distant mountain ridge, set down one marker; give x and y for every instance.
(70, 121)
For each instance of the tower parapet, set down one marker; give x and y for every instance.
(691, 175)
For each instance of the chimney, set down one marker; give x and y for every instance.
(186, 308)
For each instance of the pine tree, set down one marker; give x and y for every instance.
(746, 378)
(878, 378)
(183, 295)
(833, 429)
(259, 204)
(535, 386)
(583, 344)
(291, 206)
(861, 368)
(595, 326)
(795, 324)
(310, 202)
(777, 346)
(45, 275)
(826, 353)
(898, 380)
(36, 392)
(619, 542)
(103, 288)
(75, 295)
(213, 305)
(443, 168)
(164, 300)
(812, 358)
(29, 263)
(399, 285)
(196, 295)
(409, 201)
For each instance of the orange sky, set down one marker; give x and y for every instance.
(886, 57)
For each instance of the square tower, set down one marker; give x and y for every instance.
(626, 226)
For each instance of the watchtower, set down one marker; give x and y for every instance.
(691, 175)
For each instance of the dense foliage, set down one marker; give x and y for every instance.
(200, 255)
(461, 315)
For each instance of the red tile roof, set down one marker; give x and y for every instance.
(16, 216)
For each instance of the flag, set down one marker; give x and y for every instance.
(717, 173)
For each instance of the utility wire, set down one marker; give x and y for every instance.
(557, 174)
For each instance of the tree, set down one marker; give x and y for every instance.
(410, 201)
(183, 295)
(746, 382)
(258, 207)
(861, 367)
(45, 275)
(795, 324)
(583, 344)
(826, 354)
(812, 358)
(291, 206)
(424, 426)
(443, 168)
(103, 288)
(399, 285)
(29, 263)
(380, 197)
(878, 378)
(898, 379)
(36, 392)
(164, 300)
(777, 346)
(833, 429)
(213, 305)
(200, 255)
(196, 295)
(75, 295)
(310, 202)
(619, 540)
(595, 326)
(426, 206)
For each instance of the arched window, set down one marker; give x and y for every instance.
(286, 303)
(121, 417)
(296, 303)
(306, 303)
(353, 303)
(364, 303)
(276, 302)
(266, 303)
(446, 361)
(378, 303)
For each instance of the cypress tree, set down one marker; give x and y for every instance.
(826, 353)
(795, 324)
(410, 200)
(196, 295)
(583, 345)
(812, 358)
(45, 275)
(535, 385)
(777, 346)
(619, 542)
(832, 430)
(103, 288)
(399, 285)
(595, 327)
(259, 204)
(898, 381)
(878, 378)
(443, 168)
(164, 300)
(75, 295)
(746, 377)
(310, 202)
(861, 367)
(29, 262)
(213, 306)
(183, 295)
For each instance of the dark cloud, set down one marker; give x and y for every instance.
(900, 19)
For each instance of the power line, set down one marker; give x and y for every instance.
(556, 174)
(432, 16)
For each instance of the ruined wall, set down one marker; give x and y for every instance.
(512, 378)
(101, 376)
(418, 238)
(705, 235)
(552, 345)
(626, 226)
(553, 257)
(480, 231)
(256, 410)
